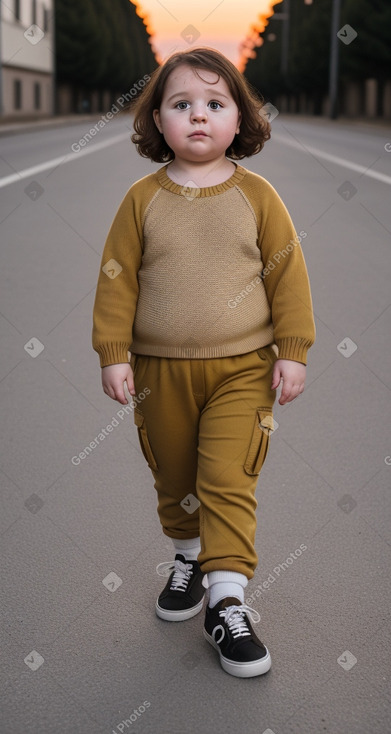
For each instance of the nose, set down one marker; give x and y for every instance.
(198, 115)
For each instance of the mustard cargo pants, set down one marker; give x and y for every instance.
(204, 430)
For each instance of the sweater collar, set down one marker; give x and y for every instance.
(193, 192)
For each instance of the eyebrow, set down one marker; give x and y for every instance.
(184, 94)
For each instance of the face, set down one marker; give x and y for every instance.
(190, 105)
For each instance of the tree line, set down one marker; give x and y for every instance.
(368, 56)
(101, 45)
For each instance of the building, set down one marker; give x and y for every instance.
(27, 58)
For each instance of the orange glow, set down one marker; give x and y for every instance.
(253, 40)
(148, 25)
(234, 31)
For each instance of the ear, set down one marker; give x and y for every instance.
(237, 131)
(156, 117)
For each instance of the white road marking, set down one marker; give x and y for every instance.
(343, 162)
(67, 158)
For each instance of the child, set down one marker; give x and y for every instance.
(203, 279)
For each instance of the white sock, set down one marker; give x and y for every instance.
(189, 547)
(226, 583)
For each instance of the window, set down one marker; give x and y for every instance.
(37, 96)
(17, 94)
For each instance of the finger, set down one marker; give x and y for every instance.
(115, 392)
(290, 393)
(284, 398)
(120, 394)
(130, 384)
(276, 379)
(287, 393)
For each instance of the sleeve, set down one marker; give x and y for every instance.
(286, 281)
(117, 288)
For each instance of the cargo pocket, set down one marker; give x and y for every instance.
(260, 438)
(144, 441)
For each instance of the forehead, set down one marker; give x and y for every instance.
(185, 77)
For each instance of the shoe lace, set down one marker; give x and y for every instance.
(235, 620)
(181, 577)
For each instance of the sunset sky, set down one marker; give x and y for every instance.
(222, 24)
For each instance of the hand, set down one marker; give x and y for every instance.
(292, 375)
(113, 378)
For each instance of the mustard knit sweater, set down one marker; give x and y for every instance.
(202, 273)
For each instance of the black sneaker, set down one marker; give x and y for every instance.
(183, 594)
(230, 632)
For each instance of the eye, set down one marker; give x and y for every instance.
(184, 105)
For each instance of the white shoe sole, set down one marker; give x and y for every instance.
(178, 615)
(241, 670)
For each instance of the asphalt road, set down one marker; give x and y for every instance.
(82, 649)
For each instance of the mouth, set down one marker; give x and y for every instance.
(198, 134)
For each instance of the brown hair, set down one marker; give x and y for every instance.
(254, 127)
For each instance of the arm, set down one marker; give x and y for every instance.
(286, 282)
(116, 299)
(117, 288)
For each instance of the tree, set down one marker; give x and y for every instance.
(309, 52)
(79, 42)
(368, 55)
(101, 44)
(264, 72)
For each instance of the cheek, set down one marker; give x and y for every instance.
(230, 127)
(174, 134)
(170, 124)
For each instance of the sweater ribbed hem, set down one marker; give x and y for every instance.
(196, 351)
(294, 348)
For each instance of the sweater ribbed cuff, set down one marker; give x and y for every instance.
(294, 348)
(113, 353)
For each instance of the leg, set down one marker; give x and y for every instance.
(233, 442)
(167, 422)
(234, 439)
